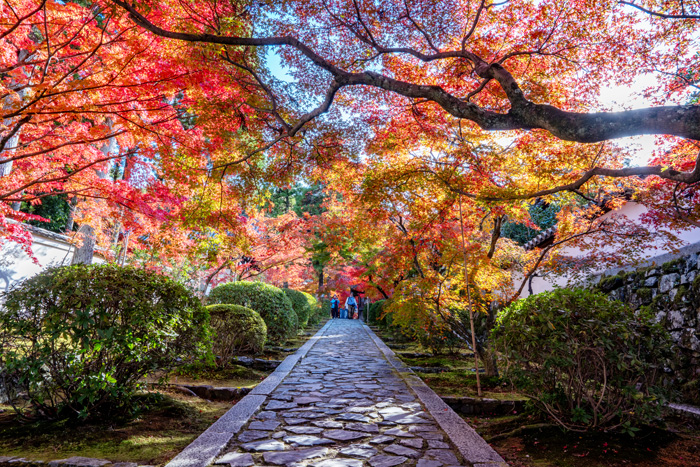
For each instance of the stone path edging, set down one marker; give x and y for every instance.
(470, 445)
(203, 450)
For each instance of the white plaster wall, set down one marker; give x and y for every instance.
(49, 250)
(652, 252)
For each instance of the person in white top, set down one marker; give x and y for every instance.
(351, 305)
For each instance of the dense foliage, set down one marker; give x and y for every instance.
(77, 341)
(270, 302)
(314, 309)
(236, 329)
(301, 304)
(325, 309)
(343, 142)
(375, 315)
(586, 361)
(55, 211)
(542, 217)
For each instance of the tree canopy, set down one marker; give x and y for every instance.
(374, 144)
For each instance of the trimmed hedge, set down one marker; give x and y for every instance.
(586, 361)
(77, 341)
(236, 329)
(314, 308)
(270, 302)
(300, 305)
(325, 309)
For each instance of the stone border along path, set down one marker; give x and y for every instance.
(342, 400)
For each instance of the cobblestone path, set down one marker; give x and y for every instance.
(342, 405)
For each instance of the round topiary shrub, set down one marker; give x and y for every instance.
(586, 361)
(314, 309)
(300, 305)
(77, 341)
(236, 329)
(270, 302)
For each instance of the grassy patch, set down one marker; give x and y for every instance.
(156, 436)
(462, 384)
(452, 361)
(235, 376)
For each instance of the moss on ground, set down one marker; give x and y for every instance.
(235, 376)
(157, 435)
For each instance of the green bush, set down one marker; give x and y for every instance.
(236, 329)
(270, 302)
(586, 361)
(78, 340)
(315, 309)
(375, 313)
(438, 337)
(325, 309)
(301, 306)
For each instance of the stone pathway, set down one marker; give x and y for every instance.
(345, 405)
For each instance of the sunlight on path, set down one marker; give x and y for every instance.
(343, 405)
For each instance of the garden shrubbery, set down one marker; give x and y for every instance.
(270, 302)
(77, 341)
(314, 309)
(236, 329)
(438, 337)
(586, 361)
(325, 309)
(375, 312)
(301, 305)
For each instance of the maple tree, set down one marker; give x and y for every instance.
(411, 251)
(500, 65)
(172, 123)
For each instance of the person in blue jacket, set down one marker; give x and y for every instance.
(335, 303)
(351, 305)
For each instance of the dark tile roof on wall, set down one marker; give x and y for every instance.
(541, 238)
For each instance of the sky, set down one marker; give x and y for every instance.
(628, 98)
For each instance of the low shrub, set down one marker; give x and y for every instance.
(301, 306)
(325, 309)
(375, 313)
(586, 361)
(315, 309)
(236, 329)
(270, 302)
(77, 341)
(438, 337)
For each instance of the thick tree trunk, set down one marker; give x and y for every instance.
(488, 360)
(84, 253)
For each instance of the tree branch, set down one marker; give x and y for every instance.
(658, 14)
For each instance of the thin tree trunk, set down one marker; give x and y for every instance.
(73, 203)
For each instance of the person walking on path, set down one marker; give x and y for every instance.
(335, 304)
(351, 305)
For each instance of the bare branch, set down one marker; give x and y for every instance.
(658, 14)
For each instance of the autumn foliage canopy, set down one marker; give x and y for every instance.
(429, 126)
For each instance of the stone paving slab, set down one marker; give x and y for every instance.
(473, 448)
(210, 444)
(343, 400)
